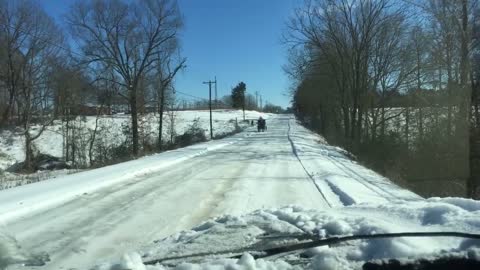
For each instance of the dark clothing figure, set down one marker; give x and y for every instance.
(261, 124)
(252, 123)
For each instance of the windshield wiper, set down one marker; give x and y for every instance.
(263, 253)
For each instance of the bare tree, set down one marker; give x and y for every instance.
(389, 75)
(344, 33)
(172, 117)
(32, 41)
(168, 66)
(15, 23)
(128, 36)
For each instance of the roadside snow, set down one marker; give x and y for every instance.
(13, 180)
(287, 165)
(133, 261)
(51, 141)
(342, 180)
(28, 199)
(262, 229)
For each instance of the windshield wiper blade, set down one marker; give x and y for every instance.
(263, 253)
(337, 240)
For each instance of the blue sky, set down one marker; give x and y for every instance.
(235, 40)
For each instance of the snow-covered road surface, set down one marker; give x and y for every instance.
(252, 171)
(242, 190)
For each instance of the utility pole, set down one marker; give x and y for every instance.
(261, 103)
(210, 103)
(244, 97)
(256, 99)
(216, 97)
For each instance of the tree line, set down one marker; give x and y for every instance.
(394, 82)
(120, 52)
(240, 99)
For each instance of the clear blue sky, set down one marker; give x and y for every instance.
(235, 40)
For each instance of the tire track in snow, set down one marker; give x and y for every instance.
(374, 183)
(355, 176)
(294, 150)
(344, 198)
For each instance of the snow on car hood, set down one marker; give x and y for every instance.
(274, 227)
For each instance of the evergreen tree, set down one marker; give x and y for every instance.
(238, 96)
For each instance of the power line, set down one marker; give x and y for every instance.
(216, 94)
(192, 96)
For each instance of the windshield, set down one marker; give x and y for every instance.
(323, 134)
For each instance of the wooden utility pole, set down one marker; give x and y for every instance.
(243, 103)
(210, 103)
(216, 94)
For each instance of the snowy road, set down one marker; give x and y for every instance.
(258, 170)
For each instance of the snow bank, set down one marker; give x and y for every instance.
(28, 199)
(342, 180)
(264, 229)
(246, 262)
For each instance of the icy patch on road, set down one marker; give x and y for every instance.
(11, 253)
(216, 240)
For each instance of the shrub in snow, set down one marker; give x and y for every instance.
(194, 134)
(147, 133)
(75, 141)
(237, 128)
(112, 143)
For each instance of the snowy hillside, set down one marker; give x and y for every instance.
(12, 145)
(110, 134)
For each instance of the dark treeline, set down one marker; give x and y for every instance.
(125, 59)
(395, 83)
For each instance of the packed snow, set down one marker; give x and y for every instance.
(262, 229)
(342, 180)
(241, 194)
(27, 199)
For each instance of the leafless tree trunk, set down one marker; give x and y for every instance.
(418, 41)
(14, 18)
(127, 36)
(166, 73)
(31, 36)
(172, 116)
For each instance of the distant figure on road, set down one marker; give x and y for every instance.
(261, 124)
(252, 123)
